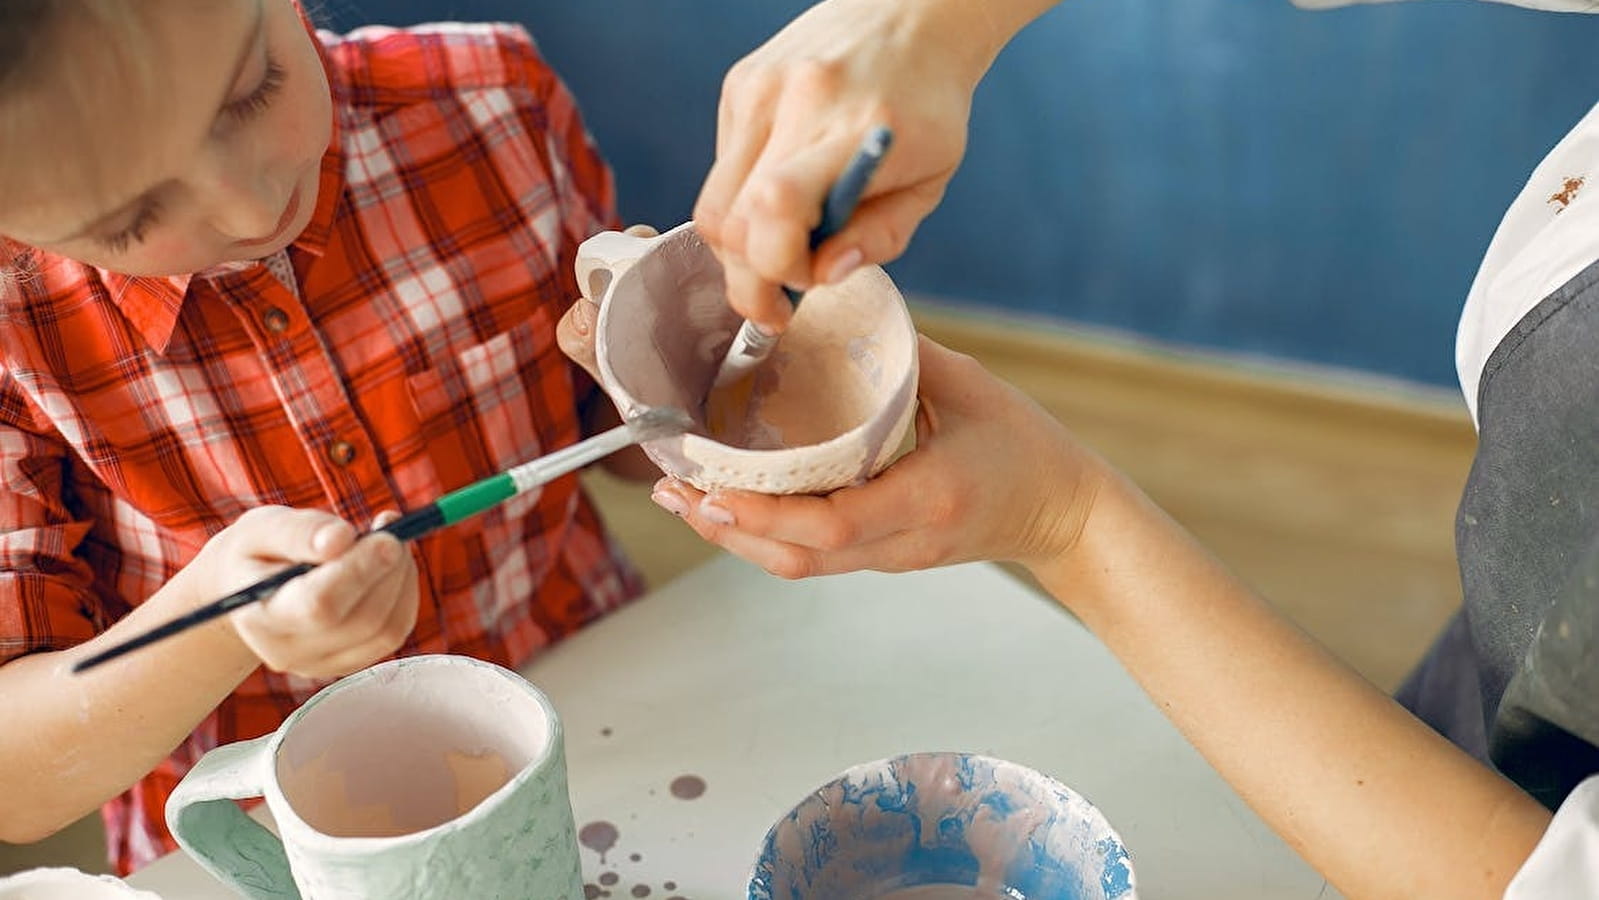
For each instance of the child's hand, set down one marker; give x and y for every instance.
(356, 608)
(993, 477)
(575, 332)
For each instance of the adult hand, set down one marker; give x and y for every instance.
(575, 332)
(794, 111)
(993, 476)
(354, 609)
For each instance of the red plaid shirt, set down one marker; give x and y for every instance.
(402, 347)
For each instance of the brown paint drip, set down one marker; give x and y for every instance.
(641, 890)
(1567, 193)
(688, 787)
(591, 892)
(637, 857)
(610, 878)
(599, 837)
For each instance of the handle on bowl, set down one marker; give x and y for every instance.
(603, 257)
(216, 832)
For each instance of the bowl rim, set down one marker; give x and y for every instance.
(633, 406)
(887, 763)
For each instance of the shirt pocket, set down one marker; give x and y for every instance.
(490, 406)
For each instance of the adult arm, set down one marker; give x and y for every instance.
(1373, 799)
(794, 111)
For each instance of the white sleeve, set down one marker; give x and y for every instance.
(1546, 5)
(1565, 864)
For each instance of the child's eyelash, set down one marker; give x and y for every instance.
(134, 233)
(246, 108)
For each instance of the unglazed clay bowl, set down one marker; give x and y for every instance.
(942, 826)
(67, 884)
(829, 408)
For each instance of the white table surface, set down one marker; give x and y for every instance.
(766, 689)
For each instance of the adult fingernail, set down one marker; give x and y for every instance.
(715, 512)
(670, 502)
(841, 268)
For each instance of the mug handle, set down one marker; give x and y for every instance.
(216, 832)
(603, 257)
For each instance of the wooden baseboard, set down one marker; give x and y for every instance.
(1333, 493)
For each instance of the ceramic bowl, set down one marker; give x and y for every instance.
(67, 884)
(830, 407)
(943, 825)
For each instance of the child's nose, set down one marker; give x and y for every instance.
(248, 209)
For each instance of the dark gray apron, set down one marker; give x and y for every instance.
(1514, 678)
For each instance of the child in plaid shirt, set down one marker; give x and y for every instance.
(264, 288)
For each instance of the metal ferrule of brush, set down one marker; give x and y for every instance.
(752, 341)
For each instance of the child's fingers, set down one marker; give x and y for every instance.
(396, 601)
(302, 535)
(370, 613)
(326, 596)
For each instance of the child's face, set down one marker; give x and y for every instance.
(213, 158)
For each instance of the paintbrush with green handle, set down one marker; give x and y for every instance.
(652, 424)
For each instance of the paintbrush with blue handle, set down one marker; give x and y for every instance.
(480, 496)
(751, 346)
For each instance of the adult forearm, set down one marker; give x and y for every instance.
(72, 741)
(976, 30)
(1338, 769)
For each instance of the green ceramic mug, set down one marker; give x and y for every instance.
(424, 777)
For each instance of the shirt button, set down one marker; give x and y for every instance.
(341, 452)
(276, 320)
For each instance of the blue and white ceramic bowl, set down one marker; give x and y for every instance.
(889, 827)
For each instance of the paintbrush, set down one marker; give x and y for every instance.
(481, 496)
(751, 346)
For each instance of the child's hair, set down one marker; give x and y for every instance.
(29, 32)
(21, 21)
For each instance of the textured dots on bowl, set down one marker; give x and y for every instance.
(666, 304)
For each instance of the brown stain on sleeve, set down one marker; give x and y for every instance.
(1567, 193)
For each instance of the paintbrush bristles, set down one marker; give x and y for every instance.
(660, 422)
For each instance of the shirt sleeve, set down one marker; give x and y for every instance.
(1565, 864)
(46, 593)
(584, 188)
(582, 181)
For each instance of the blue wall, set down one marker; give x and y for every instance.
(1229, 173)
